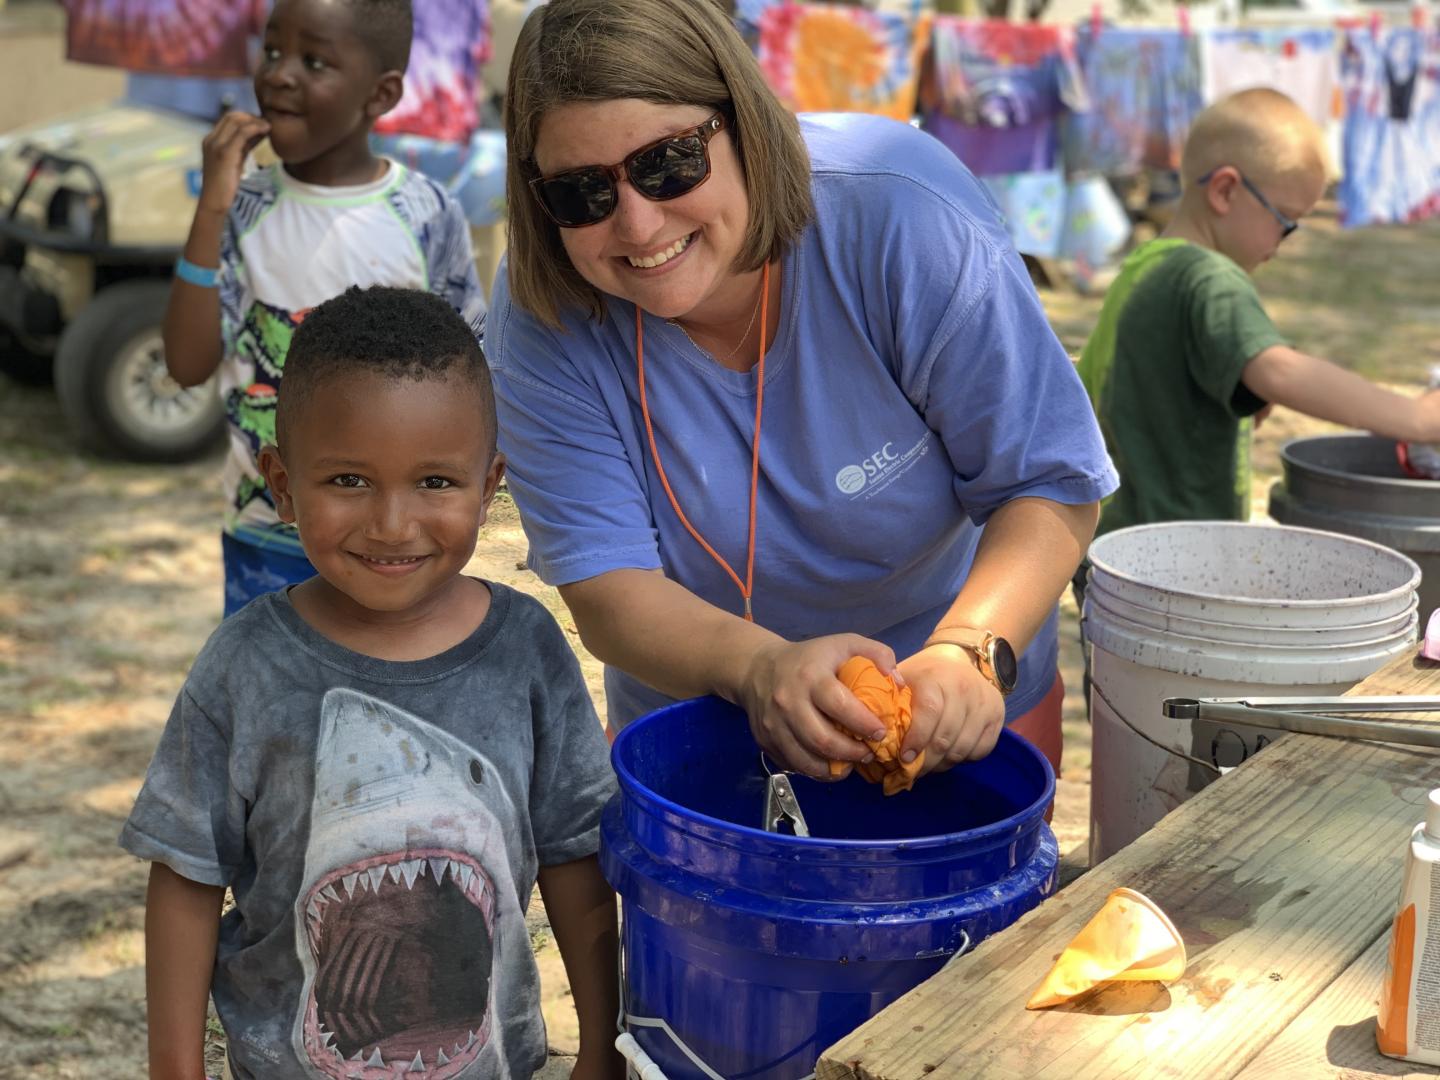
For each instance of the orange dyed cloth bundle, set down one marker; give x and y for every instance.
(891, 704)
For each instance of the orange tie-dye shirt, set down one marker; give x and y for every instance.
(891, 704)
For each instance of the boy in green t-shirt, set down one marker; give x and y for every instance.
(1184, 353)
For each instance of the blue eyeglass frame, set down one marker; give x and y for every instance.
(1287, 225)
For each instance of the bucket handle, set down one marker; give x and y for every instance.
(642, 1066)
(1209, 765)
(1099, 692)
(640, 1063)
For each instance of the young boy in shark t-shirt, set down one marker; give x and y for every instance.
(378, 763)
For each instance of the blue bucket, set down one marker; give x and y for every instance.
(747, 953)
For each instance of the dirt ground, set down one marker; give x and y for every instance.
(110, 582)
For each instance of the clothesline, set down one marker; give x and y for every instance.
(1030, 100)
(1030, 107)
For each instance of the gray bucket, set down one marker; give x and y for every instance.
(1352, 484)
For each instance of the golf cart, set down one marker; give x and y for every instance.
(94, 209)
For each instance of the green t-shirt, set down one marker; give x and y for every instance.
(1163, 370)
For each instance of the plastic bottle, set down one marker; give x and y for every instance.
(1422, 460)
(1409, 1026)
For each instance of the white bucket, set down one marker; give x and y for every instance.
(1260, 575)
(1221, 609)
(1236, 633)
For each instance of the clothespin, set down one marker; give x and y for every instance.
(1418, 15)
(1182, 12)
(782, 809)
(1375, 24)
(1096, 19)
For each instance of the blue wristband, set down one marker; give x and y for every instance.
(202, 276)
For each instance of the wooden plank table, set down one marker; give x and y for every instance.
(1282, 878)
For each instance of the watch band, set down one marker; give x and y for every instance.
(967, 637)
(980, 644)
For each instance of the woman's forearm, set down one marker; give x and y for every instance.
(1027, 555)
(182, 925)
(659, 632)
(664, 635)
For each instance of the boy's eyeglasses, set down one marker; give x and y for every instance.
(1287, 225)
(665, 169)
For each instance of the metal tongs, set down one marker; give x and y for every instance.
(781, 806)
(1303, 715)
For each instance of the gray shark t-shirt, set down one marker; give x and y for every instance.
(380, 824)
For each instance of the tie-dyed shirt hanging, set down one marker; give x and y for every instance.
(452, 40)
(999, 87)
(1299, 62)
(821, 58)
(1145, 91)
(165, 37)
(1391, 141)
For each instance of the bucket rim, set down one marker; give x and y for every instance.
(1250, 601)
(1099, 598)
(1236, 663)
(1029, 815)
(1406, 483)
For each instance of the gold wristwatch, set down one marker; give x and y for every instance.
(992, 654)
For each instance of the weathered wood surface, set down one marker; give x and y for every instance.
(1334, 1039)
(1279, 878)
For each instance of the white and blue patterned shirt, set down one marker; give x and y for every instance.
(290, 246)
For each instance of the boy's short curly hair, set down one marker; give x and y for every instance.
(387, 28)
(396, 333)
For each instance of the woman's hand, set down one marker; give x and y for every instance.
(224, 150)
(794, 701)
(956, 713)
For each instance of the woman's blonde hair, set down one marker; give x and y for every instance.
(671, 52)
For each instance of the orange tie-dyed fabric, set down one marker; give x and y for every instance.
(891, 703)
(827, 58)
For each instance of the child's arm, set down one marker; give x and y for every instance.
(182, 923)
(581, 907)
(192, 319)
(1321, 389)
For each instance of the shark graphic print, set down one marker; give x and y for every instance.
(405, 887)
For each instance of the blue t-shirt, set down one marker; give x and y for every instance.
(913, 388)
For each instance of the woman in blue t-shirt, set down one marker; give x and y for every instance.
(679, 243)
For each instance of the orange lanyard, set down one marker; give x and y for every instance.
(746, 587)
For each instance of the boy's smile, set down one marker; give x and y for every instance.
(388, 481)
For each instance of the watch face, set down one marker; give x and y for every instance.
(1006, 669)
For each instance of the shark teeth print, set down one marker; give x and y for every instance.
(338, 896)
(362, 1066)
(403, 873)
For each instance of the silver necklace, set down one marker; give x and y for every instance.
(748, 327)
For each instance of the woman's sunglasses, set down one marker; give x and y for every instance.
(665, 169)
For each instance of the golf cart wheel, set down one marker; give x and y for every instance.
(111, 379)
(28, 366)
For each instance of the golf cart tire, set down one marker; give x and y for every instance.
(25, 367)
(110, 380)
